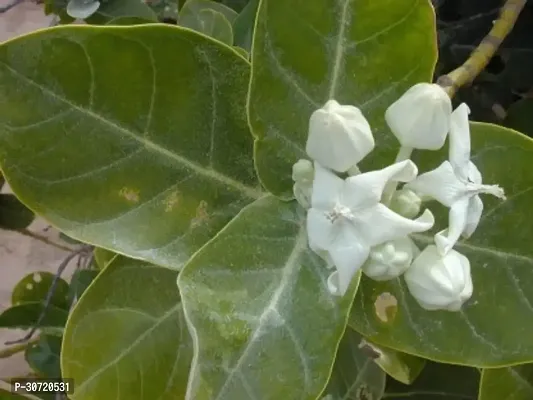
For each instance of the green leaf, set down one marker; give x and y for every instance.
(355, 374)
(501, 259)
(512, 383)
(243, 27)
(126, 337)
(112, 9)
(102, 257)
(43, 356)
(256, 299)
(24, 316)
(121, 21)
(9, 395)
(213, 24)
(34, 288)
(81, 279)
(13, 214)
(438, 382)
(520, 116)
(139, 144)
(403, 367)
(307, 52)
(189, 14)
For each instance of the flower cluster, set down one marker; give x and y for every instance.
(360, 220)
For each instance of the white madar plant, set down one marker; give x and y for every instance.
(355, 223)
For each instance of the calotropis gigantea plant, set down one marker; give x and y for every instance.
(181, 154)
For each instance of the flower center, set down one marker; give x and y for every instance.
(340, 211)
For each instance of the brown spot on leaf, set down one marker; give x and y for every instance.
(386, 307)
(172, 201)
(363, 393)
(201, 214)
(131, 195)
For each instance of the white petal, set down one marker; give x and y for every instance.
(327, 188)
(421, 117)
(320, 230)
(348, 253)
(440, 184)
(473, 215)
(339, 136)
(459, 153)
(379, 224)
(457, 217)
(438, 282)
(81, 9)
(473, 173)
(365, 189)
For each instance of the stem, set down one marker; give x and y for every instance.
(9, 351)
(481, 56)
(43, 239)
(403, 154)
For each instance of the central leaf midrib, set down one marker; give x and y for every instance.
(290, 266)
(150, 145)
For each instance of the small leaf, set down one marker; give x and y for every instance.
(112, 9)
(213, 24)
(126, 337)
(520, 116)
(189, 15)
(13, 214)
(355, 375)
(256, 299)
(308, 52)
(243, 27)
(159, 112)
(25, 316)
(512, 383)
(438, 382)
(43, 356)
(501, 258)
(401, 366)
(102, 257)
(81, 279)
(34, 288)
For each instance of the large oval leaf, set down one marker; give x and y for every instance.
(126, 338)
(256, 301)
(133, 139)
(501, 256)
(307, 52)
(512, 383)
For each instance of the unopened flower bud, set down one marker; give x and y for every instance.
(81, 9)
(421, 117)
(440, 282)
(406, 203)
(339, 136)
(391, 259)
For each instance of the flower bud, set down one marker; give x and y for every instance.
(302, 174)
(421, 117)
(339, 136)
(440, 282)
(391, 259)
(406, 203)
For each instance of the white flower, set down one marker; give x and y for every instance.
(302, 175)
(420, 119)
(406, 202)
(339, 136)
(390, 259)
(81, 9)
(346, 218)
(456, 184)
(440, 282)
